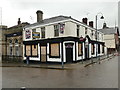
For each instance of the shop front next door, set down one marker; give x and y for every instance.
(69, 53)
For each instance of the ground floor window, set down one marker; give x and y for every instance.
(28, 50)
(11, 50)
(79, 49)
(55, 50)
(16, 50)
(92, 49)
(98, 48)
(31, 50)
(34, 50)
(102, 48)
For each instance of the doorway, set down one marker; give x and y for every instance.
(86, 52)
(69, 52)
(43, 53)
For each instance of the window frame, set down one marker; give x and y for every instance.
(81, 49)
(42, 32)
(31, 55)
(50, 50)
(56, 30)
(92, 49)
(98, 48)
(78, 29)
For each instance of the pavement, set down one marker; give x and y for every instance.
(59, 66)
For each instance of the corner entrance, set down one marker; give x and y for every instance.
(69, 52)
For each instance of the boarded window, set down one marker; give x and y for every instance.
(28, 50)
(34, 50)
(80, 49)
(54, 50)
(92, 49)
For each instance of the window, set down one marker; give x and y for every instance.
(56, 30)
(92, 33)
(78, 30)
(16, 41)
(10, 41)
(11, 51)
(16, 51)
(98, 36)
(85, 30)
(43, 32)
(98, 48)
(102, 48)
(34, 50)
(33, 30)
(55, 50)
(92, 49)
(28, 50)
(79, 49)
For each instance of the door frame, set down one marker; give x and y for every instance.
(69, 45)
(46, 52)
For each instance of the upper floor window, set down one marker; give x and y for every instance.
(56, 30)
(16, 41)
(91, 33)
(78, 27)
(33, 30)
(85, 30)
(10, 41)
(98, 37)
(43, 32)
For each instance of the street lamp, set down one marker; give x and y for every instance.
(1, 34)
(96, 18)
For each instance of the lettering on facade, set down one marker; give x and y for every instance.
(35, 35)
(28, 34)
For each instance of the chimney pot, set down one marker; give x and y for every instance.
(19, 22)
(91, 23)
(84, 20)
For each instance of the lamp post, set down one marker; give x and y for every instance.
(1, 34)
(96, 18)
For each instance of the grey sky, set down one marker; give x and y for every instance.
(26, 10)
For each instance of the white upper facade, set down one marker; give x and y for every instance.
(60, 26)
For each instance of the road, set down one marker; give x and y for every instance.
(104, 75)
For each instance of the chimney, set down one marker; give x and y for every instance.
(39, 15)
(91, 24)
(84, 20)
(104, 25)
(19, 22)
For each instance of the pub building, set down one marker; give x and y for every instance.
(61, 39)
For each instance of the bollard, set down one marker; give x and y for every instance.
(62, 65)
(23, 88)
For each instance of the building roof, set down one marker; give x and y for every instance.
(55, 19)
(112, 30)
(50, 20)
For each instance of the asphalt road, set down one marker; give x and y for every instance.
(104, 75)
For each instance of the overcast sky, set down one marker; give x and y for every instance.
(78, 9)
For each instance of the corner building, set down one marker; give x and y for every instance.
(61, 39)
